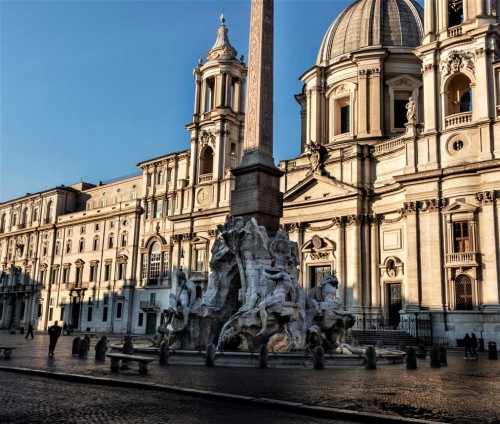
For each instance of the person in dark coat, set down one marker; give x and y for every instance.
(30, 331)
(65, 329)
(54, 333)
(467, 345)
(473, 344)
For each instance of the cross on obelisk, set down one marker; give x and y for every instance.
(257, 192)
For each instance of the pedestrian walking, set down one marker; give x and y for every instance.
(467, 345)
(65, 329)
(30, 331)
(473, 343)
(54, 333)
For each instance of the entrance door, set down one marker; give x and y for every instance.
(75, 312)
(151, 324)
(394, 302)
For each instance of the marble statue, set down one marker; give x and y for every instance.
(183, 300)
(411, 111)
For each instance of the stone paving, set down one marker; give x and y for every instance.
(462, 392)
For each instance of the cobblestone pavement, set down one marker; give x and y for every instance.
(44, 400)
(463, 392)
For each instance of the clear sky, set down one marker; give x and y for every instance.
(91, 88)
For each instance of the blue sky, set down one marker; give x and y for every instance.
(91, 88)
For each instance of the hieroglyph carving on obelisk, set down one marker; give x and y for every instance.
(259, 113)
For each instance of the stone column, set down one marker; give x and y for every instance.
(488, 239)
(375, 261)
(354, 272)
(375, 84)
(412, 289)
(362, 111)
(257, 192)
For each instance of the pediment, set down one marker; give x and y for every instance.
(459, 207)
(317, 186)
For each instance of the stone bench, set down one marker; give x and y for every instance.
(117, 357)
(7, 351)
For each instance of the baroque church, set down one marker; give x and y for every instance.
(396, 189)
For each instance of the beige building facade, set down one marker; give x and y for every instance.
(396, 187)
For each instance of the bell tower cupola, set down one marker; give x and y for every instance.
(218, 120)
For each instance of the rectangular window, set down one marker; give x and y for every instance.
(121, 271)
(461, 236)
(65, 275)
(1, 310)
(107, 271)
(165, 265)
(70, 232)
(93, 273)
(51, 301)
(144, 272)
(42, 277)
(105, 300)
(112, 224)
(119, 308)
(124, 240)
(169, 207)
(111, 242)
(317, 273)
(158, 208)
(400, 118)
(105, 314)
(345, 119)
(97, 227)
(54, 276)
(89, 313)
(82, 230)
(95, 245)
(78, 276)
(200, 260)
(39, 312)
(148, 210)
(51, 313)
(61, 316)
(140, 321)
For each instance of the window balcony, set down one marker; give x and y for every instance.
(199, 276)
(148, 305)
(461, 259)
(455, 31)
(206, 178)
(458, 119)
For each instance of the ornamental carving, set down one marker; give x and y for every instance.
(317, 156)
(456, 61)
(206, 138)
(341, 89)
(485, 197)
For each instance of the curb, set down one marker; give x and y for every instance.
(293, 407)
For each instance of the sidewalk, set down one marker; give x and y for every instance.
(462, 392)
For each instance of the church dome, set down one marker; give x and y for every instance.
(368, 23)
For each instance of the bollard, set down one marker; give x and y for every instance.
(435, 361)
(380, 344)
(263, 356)
(492, 350)
(319, 358)
(76, 345)
(421, 351)
(87, 337)
(411, 359)
(370, 358)
(164, 352)
(100, 349)
(443, 356)
(210, 355)
(83, 349)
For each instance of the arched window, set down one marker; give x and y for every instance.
(154, 263)
(68, 246)
(111, 241)
(124, 239)
(24, 216)
(81, 245)
(459, 95)
(209, 94)
(95, 244)
(463, 293)
(160, 177)
(466, 101)
(207, 161)
(48, 216)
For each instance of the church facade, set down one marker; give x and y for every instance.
(396, 187)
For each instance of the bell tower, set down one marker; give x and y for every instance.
(458, 54)
(218, 123)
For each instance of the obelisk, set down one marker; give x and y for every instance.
(257, 191)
